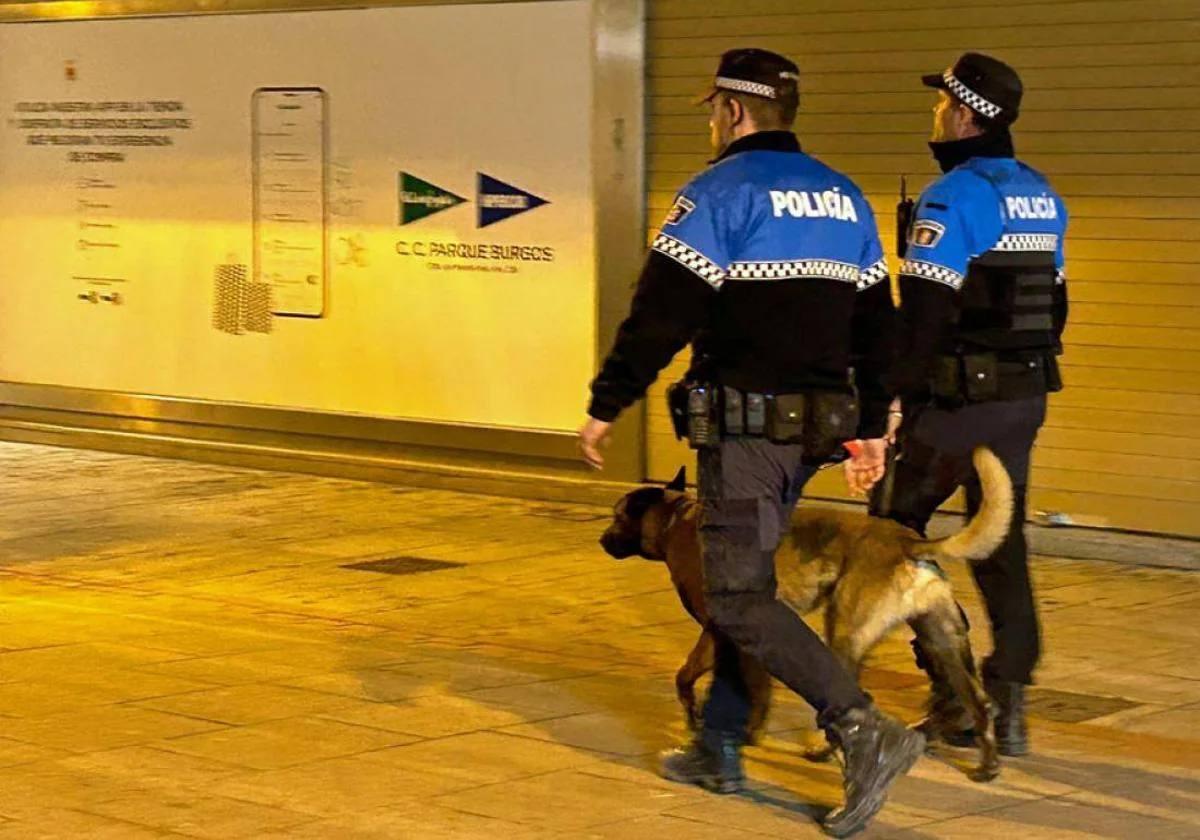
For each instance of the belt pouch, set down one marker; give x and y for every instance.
(756, 414)
(677, 407)
(947, 378)
(981, 380)
(831, 419)
(786, 418)
(734, 411)
(1053, 375)
(704, 420)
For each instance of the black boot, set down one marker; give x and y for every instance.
(1012, 737)
(876, 750)
(712, 760)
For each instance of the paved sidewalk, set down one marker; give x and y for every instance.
(196, 651)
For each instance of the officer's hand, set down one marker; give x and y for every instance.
(592, 435)
(866, 465)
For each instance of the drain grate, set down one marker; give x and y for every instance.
(1068, 707)
(402, 565)
(565, 514)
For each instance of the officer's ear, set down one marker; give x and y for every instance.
(737, 111)
(965, 124)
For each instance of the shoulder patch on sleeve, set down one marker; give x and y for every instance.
(679, 211)
(926, 232)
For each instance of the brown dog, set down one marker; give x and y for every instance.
(869, 574)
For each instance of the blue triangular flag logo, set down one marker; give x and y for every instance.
(499, 201)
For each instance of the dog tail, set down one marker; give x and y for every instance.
(987, 528)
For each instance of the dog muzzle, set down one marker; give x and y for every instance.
(619, 546)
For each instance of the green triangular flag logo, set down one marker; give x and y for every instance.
(419, 199)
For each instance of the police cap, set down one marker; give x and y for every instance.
(757, 73)
(986, 85)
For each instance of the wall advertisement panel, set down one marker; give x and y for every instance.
(385, 212)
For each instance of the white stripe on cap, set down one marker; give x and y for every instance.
(742, 86)
(972, 99)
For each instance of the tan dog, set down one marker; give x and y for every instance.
(869, 574)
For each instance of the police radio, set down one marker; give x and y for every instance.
(905, 210)
(704, 422)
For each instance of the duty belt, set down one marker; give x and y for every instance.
(984, 377)
(819, 420)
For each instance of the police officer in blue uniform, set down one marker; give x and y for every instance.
(770, 264)
(983, 306)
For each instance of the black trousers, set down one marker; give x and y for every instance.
(934, 459)
(748, 487)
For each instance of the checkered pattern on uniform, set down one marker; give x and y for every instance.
(1060, 277)
(690, 258)
(826, 269)
(1027, 242)
(969, 97)
(875, 274)
(932, 271)
(742, 86)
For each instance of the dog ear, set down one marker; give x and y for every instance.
(679, 482)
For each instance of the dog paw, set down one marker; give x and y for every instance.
(984, 773)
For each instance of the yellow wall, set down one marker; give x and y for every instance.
(1111, 115)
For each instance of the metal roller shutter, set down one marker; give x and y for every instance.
(1111, 115)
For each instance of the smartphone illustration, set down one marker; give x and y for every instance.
(289, 149)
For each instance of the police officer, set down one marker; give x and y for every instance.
(983, 305)
(769, 262)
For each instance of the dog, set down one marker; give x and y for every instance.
(868, 574)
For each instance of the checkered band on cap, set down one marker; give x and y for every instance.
(873, 275)
(796, 269)
(742, 86)
(932, 271)
(969, 97)
(690, 258)
(1027, 242)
